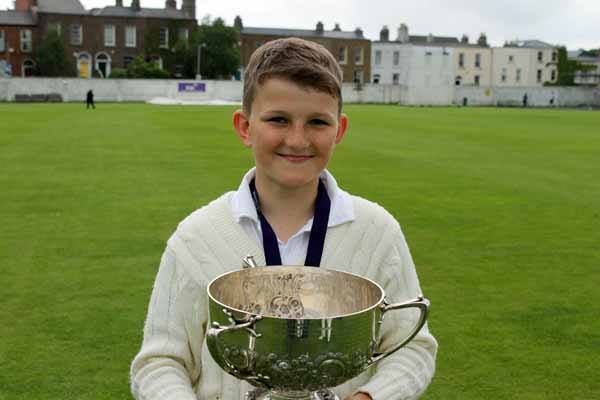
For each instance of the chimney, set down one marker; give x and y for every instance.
(237, 23)
(384, 34)
(337, 28)
(119, 3)
(358, 32)
(25, 5)
(135, 5)
(319, 28)
(403, 34)
(171, 4)
(189, 7)
(464, 39)
(482, 41)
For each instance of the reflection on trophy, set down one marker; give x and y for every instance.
(294, 332)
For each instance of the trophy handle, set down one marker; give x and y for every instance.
(216, 329)
(422, 304)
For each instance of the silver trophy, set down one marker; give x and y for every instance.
(294, 332)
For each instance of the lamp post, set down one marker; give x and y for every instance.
(198, 73)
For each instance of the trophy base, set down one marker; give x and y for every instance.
(262, 394)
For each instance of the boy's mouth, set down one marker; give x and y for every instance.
(294, 158)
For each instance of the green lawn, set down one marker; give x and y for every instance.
(501, 208)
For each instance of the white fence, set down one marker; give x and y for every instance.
(147, 89)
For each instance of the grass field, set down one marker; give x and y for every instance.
(501, 208)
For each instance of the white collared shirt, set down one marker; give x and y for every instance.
(293, 252)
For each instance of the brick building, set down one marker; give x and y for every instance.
(102, 39)
(350, 48)
(17, 30)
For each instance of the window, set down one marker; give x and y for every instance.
(428, 56)
(461, 60)
(458, 80)
(511, 59)
(28, 68)
(358, 76)
(109, 35)
(2, 40)
(76, 34)
(54, 27)
(518, 77)
(540, 56)
(554, 56)
(358, 56)
(26, 40)
(539, 75)
(376, 78)
(396, 79)
(553, 75)
(377, 57)
(396, 58)
(476, 81)
(164, 38)
(130, 36)
(503, 75)
(477, 60)
(342, 55)
(182, 35)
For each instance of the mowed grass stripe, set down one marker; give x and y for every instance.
(500, 208)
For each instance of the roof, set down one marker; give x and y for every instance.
(535, 44)
(61, 7)
(19, 18)
(302, 33)
(129, 12)
(420, 40)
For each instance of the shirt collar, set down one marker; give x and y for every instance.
(342, 209)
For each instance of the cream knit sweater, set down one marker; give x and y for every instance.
(174, 362)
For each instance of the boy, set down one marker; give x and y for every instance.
(288, 210)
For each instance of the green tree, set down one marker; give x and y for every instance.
(567, 69)
(219, 49)
(51, 57)
(141, 69)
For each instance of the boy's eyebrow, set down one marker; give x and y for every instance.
(316, 114)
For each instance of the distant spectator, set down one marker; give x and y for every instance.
(89, 100)
(525, 100)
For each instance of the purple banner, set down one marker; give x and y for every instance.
(192, 87)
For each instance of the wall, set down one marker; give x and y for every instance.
(145, 90)
(536, 96)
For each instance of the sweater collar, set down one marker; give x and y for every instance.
(342, 208)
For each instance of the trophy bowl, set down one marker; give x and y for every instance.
(293, 332)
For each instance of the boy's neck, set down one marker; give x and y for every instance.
(286, 209)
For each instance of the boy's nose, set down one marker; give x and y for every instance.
(296, 136)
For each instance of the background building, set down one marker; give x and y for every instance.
(525, 63)
(591, 77)
(473, 62)
(351, 48)
(17, 30)
(102, 39)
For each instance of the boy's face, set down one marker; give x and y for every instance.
(292, 131)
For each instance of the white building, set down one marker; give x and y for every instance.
(422, 65)
(527, 63)
(589, 77)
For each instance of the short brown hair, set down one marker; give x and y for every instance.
(307, 64)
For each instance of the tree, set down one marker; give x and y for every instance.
(219, 49)
(51, 57)
(567, 69)
(139, 68)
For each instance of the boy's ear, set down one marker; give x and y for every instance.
(342, 126)
(241, 123)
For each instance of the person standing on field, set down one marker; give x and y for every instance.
(89, 99)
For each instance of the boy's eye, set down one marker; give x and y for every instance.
(317, 121)
(277, 120)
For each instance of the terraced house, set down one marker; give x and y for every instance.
(98, 40)
(351, 48)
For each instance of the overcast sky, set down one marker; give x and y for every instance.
(574, 23)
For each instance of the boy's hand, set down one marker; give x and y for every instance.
(359, 396)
